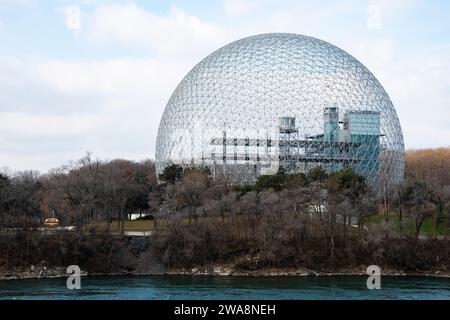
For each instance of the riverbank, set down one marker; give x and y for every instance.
(48, 256)
(43, 272)
(219, 270)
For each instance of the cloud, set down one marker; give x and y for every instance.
(54, 109)
(145, 78)
(25, 90)
(373, 21)
(60, 108)
(374, 53)
(73, 17)
(379, 10)
(306, 18)
(239, 7)
(396, 7)
(8, 6)
(176, 34)
(24, 125)
(42, 141)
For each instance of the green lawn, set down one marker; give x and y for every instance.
(408, 224)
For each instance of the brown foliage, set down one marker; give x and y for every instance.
(431, 165)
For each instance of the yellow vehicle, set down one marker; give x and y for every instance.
(51, 222)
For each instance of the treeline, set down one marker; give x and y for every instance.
(211, 221)
(78, 193)
(427, 187)
(315, 219)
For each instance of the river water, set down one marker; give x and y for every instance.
(223, 288)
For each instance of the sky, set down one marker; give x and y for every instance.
(88, 75)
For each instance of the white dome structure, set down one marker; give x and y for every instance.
(284, 100)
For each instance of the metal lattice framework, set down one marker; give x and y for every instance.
(276, 100)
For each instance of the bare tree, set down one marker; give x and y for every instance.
(433, 167)
(416, 198)
(192, 191)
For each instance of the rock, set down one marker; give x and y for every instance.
(302, 272)
(138, 245)
(221, 271)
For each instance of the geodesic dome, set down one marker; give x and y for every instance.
(285, 100)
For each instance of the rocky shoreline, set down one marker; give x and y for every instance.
(296, 272)
(35, 272)
(43, 272)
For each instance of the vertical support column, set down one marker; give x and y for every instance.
(257, 150)
(192, 146)
(246, 148)
(224, 151)
(235, 144)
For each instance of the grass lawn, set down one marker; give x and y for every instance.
(408, 224)
(148, 225)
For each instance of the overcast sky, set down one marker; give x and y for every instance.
(79, 76)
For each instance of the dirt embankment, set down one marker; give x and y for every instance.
(127, 256)
(136, 256)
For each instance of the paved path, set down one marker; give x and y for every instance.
(138, 233)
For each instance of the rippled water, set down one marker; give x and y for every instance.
(189, 287)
